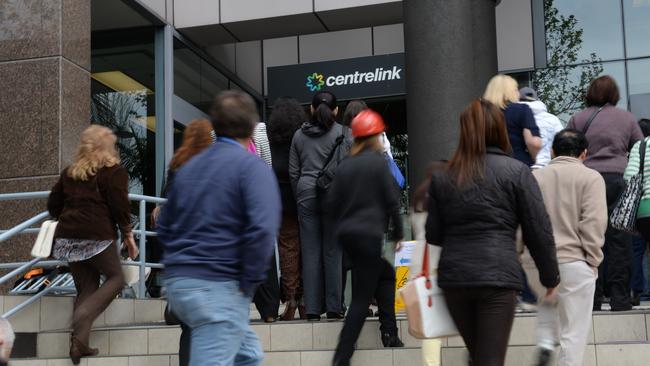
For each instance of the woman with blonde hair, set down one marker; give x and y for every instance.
(524, 135)
(90, 202)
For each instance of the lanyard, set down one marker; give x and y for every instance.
(228, 140)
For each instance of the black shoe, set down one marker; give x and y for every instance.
(623, 307)
(635, 300)
(335, 316)
(544, 357)
(390, 340)
(313, 317)
(598, 306)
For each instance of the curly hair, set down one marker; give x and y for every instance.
(287, 117)
(96, 150)
(196, 138)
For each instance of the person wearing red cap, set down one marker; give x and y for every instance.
(362, 199)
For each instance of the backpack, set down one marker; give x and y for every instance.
(326, 175)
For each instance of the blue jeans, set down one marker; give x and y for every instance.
(218, 314)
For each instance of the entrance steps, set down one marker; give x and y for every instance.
(131, 333)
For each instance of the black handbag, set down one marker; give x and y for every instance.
(326, 174)
(623, 216)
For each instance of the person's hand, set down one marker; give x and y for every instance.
(154, 215)
(398, 245)
(129, 242)
(551, 295)
(595, 269)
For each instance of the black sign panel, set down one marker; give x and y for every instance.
(356, 78)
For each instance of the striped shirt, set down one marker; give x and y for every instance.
(261, 141)
(633, 169)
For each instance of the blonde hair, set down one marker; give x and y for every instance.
(372, 142)
(96, 150)
(501, 90)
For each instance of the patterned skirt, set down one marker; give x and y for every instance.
(77, 250)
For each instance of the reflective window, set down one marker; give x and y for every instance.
(122, 92)
(599, 22)
(639, 81)
(637, 27)
(563, 89)
(196, 81)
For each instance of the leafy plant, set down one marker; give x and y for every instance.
(120, 112)
(562, 84)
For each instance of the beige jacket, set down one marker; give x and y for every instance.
(576, 202)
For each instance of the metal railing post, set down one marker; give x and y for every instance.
(143, 242)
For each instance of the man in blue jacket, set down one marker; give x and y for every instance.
(218, 229)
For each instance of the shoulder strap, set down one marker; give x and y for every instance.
(642, 148)
(591, 119)
(338, 142)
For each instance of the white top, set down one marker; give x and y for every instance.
(549, 125)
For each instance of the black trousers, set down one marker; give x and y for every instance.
(484, 319)
(372, 276)
(267, 296)
(614, 273)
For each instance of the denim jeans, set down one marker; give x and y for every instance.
(218, 314)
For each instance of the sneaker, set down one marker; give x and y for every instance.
(392, 341)
(544, 357)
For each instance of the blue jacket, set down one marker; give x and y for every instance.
(222, 217)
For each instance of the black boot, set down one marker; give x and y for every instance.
(544, 357)
(391, 340)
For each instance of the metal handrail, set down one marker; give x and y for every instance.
(24, 227)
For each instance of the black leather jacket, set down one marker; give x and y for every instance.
(476, 226)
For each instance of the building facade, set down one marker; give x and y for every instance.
(146, 68)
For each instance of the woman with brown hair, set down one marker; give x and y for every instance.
(475, 206)
(90, 201)
(196, 138)
(611, 133)
(363, 197)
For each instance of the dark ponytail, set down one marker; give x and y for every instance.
(324, 104)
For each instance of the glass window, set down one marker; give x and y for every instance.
(639, 80)
(637, 27)
(562, 89)
(122, 98)
(602, 31)
(195, 80)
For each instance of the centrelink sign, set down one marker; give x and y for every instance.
(357, 78)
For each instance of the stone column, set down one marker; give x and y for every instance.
(451, 53)
(44, 101)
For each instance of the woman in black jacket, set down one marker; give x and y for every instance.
(363, 197)
(475, 206)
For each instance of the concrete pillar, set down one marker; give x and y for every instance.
(44, 100)
(451, 53)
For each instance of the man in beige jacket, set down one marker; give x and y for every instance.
(575, 199)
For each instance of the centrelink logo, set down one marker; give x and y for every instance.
(316, 81)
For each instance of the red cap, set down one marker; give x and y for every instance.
(367, 123)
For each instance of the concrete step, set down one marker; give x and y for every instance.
(614, 354)
(131, 332)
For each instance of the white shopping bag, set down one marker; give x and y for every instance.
(426, 309)
(43, 246)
